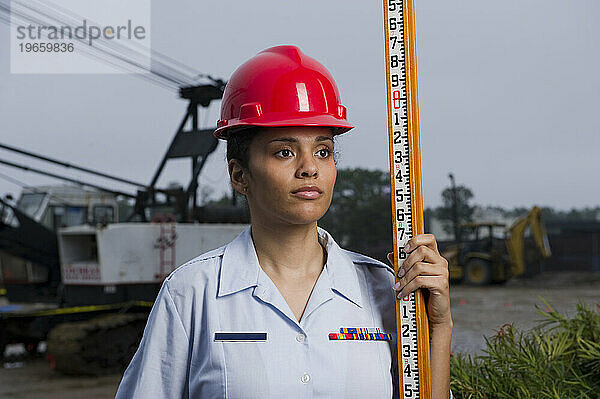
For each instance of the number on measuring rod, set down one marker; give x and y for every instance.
(405, 180)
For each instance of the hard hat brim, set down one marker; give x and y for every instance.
(341, 126)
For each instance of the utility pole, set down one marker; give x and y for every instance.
(455, 222)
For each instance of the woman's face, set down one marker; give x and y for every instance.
(283, 160)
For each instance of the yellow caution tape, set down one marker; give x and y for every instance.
(79, 309)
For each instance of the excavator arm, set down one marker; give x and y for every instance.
(515, 242)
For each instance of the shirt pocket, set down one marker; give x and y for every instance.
(245, 366)
(357, 368)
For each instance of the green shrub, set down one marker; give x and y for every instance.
(558, 359)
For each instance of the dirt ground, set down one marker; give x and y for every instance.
(476, 312)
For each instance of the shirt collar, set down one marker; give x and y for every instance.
(240, 268)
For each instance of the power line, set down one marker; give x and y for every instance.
(70, 165)
(81, 183)
(150, 77)
(114, 45)
(34, 189)
(100, 47)
(155, 54)
(164, 70)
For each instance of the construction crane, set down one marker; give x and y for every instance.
(77, 287)
(198, 89)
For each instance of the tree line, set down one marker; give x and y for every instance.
(359, 217)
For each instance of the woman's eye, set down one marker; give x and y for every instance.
(285, 152)
(324, 152)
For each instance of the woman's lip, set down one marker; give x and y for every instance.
(311, 194)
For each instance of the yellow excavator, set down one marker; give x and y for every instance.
(487, 259)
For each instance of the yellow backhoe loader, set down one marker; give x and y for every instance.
(488, 259)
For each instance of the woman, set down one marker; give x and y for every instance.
(252, 319)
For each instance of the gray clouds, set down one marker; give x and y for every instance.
(508, 93)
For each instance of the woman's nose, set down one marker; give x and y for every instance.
(307, 166)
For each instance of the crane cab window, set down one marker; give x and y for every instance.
(66, 216)
(30, 203)
(102, 214)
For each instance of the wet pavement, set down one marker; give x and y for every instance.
(479, 311)
(476, 312)
(35, 379)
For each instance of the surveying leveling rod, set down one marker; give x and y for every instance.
(405, 179)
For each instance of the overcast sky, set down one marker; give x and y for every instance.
(509, 94)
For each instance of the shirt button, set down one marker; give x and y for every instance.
(300, 337)
(305, 378)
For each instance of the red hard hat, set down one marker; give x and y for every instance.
(281, 86)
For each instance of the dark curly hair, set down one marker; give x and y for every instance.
(238, 145)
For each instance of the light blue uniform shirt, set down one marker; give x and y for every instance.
(226, 290)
